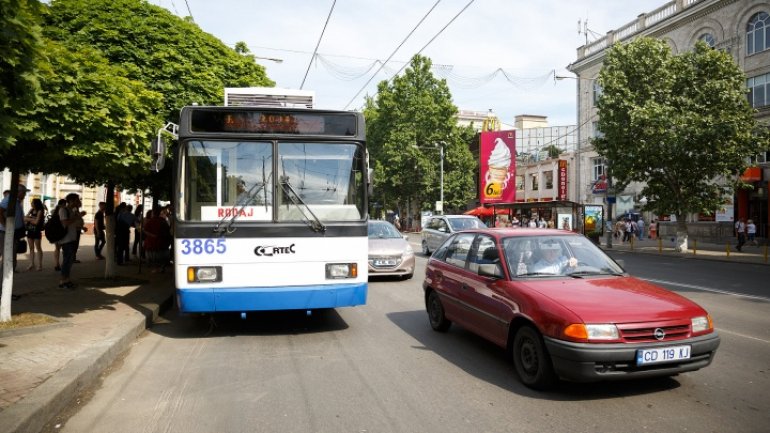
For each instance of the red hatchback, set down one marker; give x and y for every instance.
(563, 308)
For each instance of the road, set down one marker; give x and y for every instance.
(380, 368)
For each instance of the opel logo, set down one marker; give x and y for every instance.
(659, 334)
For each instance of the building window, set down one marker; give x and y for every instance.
(759, 90)
(519, 182)
(758, 33)
(708, 38)
(548, 179)
(599, 169)
(595, 130)
(535, 181)
(597, 92)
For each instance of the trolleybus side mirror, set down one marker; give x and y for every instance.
(158, 154)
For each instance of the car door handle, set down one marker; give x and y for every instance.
(464, 286)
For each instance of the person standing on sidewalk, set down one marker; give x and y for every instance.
(640, 227)
(72, 221)
(18, 231)
(751, 231)
(740, 232)
(34, 222)
(100, 237)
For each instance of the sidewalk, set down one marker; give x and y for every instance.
(697, 250)
(43, 368)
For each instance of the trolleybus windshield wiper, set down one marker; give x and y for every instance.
(297, 201)
(246, 200)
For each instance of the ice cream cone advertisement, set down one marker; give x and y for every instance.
(497, 166)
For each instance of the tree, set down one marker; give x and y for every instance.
(681, 124)
(20, 44)
(406, 122)
(172, 56)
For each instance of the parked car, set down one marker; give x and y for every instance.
(441, 226)
(389, 252)
(563, 309)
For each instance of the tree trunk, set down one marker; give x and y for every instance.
(6, 269)
(681, 234)
(109, 232)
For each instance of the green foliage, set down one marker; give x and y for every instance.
(406, 121)
(172, 56)
(682, 124)
(91, 123)
(20, 47)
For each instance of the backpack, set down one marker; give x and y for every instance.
(54, 229)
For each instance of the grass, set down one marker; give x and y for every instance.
(25, 319)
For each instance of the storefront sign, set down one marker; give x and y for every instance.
(562, 180)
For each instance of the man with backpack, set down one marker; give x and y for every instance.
(72, 221)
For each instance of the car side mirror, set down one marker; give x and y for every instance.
(491, 270)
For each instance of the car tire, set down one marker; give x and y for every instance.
(425, 249)
(531, 359)
(438, 320)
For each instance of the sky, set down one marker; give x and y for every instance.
(528, 40)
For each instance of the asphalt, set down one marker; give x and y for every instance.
(43, 368)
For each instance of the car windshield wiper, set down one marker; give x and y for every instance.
(314, 223)
(539, 274)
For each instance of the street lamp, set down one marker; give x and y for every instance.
(440, 146)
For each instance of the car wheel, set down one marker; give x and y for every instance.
(533, 364)
(425, 249)
(438, 320)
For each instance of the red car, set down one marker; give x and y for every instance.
(563, 308)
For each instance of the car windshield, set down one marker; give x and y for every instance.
(382, 230)
(459, 224)
(547, 256)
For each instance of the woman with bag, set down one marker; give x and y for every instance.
(33, 223)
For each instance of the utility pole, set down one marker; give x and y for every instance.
(610, 198)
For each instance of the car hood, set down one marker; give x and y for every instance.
(387, 246)
(616, 299)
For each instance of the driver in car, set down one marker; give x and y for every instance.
(552, 260)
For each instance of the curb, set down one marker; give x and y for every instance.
(46, 401)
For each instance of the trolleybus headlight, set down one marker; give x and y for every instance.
(204, 274)
(341, 270)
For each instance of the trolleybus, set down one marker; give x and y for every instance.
(270, 209)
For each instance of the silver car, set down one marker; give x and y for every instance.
(440, 227)
(389, 252)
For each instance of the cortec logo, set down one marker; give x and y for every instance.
(269, 251)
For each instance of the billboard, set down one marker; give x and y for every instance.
(497, 167)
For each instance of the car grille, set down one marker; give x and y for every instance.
(384, 262)
(646, 332)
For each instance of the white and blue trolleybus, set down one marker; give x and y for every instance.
(270, 209)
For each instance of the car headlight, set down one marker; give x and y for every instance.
(409, 251)
(701, 324)
(582, 331)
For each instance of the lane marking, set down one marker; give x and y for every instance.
(707, 289)
(721, 330)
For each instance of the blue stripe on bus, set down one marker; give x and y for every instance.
(192, 300)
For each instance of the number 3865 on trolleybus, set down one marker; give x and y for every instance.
(270, 209)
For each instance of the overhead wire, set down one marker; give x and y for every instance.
(318, 44)
(426, 45)
(393, 53)
(189, 11)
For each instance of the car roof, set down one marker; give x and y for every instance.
(504, 232)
